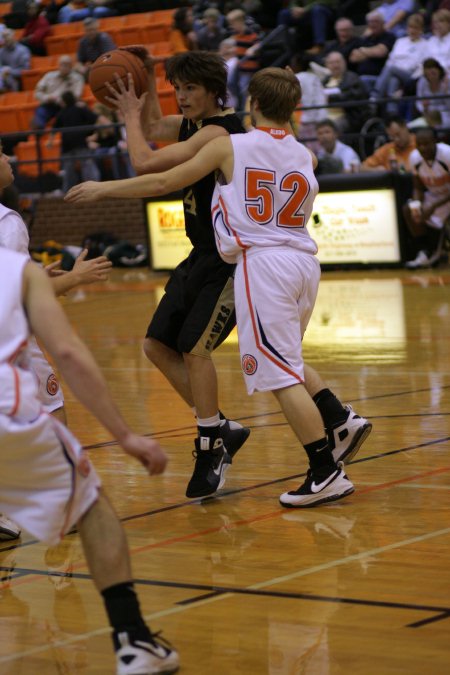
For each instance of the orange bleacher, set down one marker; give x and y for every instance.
(27, 151)
(150, 29)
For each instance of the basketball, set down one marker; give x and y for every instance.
(104, 69)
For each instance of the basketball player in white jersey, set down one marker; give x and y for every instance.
(430, 163)
(260, 209)
(14, 236)
(47, 484)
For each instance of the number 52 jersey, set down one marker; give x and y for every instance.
(270, 198)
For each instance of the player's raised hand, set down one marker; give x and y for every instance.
(91, 271)
(90, 191)
(124, 98)
(147, 451)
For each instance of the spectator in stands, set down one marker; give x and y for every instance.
(36, 30)
(373, 52)
(227, 51)
(395, 14)
(92, 45)
(77, 10)
(106, 144)
(14, 58)
(313, 94)
(403, 67)
(433, 82)
(431, 169)
(343, 86)
(247, 47)
(183, 37)
(74, 144)
(438, 45)
(332, 147)
(51, 87)
(432, 6)
(2, 30)
(212, 33)
(312, 20)
(394, 155)
(346, 40)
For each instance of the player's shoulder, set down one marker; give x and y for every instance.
(443, 152)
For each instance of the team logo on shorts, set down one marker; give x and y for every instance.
(52, 385)
(249, 364)
(84, 465)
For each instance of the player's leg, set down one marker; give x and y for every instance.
(172, 366)
(209, 321)
(106, 550)
(345, 429)
(275, 297)
(52, 399)
(325, 481)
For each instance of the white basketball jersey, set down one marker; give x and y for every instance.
(13, 231)
(270, 198)
(18, 385)
(435, 175)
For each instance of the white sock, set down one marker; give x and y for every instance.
(213, 421)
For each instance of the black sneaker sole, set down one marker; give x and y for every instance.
(358, 440)
(325, 500)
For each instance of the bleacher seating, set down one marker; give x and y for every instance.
(27, 151)
(17, 108)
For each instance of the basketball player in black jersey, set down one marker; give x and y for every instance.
(196, 312)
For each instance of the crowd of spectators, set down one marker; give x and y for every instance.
(358, 62)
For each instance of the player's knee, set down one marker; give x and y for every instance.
(150, 348)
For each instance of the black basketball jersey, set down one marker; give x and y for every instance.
(197, 197)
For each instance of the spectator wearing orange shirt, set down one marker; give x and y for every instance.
(395, 154)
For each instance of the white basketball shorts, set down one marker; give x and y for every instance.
(439, 215)
(50, 392)
(46, 481)
(275, 291)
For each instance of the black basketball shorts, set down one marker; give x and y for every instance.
(196, 313)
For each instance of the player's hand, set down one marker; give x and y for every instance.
(91, 271)
(90, 191)
(53, 269)
(142, 53)
(124, 98)
(147, 451)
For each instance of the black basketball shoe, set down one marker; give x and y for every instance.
(211, 462)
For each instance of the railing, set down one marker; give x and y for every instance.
(42, 184)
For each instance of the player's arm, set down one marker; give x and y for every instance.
(418, 188)
(315, 161)
(217, 154)
(79, 368)
(84, 272)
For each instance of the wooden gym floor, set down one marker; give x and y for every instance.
(240, 585)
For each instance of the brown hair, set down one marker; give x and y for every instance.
(415, 20)
(277, 91)
(205, 68)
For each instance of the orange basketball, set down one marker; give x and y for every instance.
(121, 62)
